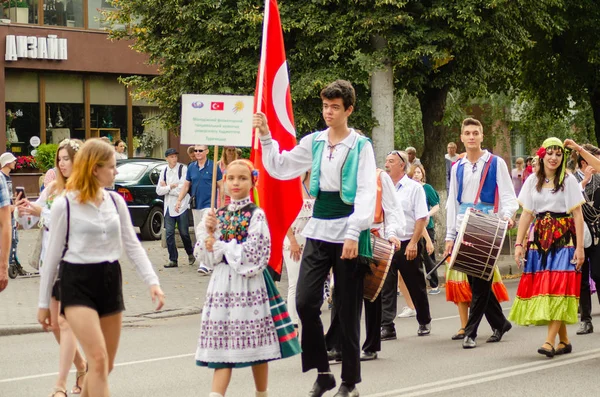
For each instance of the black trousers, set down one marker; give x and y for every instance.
(372, 342)
(429, 261)
(412, 273)
(317, 259)
(484, 302)
(591, 265)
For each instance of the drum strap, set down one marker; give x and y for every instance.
(482, 182)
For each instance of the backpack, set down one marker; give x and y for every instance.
(179, 171)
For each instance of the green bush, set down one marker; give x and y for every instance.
(45, 156)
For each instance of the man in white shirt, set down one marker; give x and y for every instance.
(465, 180)
(450, 158)
(343, 180)
(169, 185)
(408, 259)
(412, 157)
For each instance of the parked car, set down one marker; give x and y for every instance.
(136, 182)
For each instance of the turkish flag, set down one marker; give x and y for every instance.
(217, 105)
(281, 200)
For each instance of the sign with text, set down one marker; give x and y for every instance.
(216, 120)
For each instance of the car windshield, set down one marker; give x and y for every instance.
(129, 172)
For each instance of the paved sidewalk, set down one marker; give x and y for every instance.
(184, 289)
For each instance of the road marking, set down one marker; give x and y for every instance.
(504, 309)
(487, 376)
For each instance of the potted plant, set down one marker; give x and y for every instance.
(26, 164)
(16, 10)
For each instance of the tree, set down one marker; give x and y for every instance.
(562, 71)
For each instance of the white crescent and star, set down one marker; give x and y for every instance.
(281, 84)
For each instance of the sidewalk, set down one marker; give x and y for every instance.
(184, 289)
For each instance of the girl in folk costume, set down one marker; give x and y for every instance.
(228, 155)
(29, 214)
(244, 320)
(548, 292)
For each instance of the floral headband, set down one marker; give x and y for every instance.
(74, 145)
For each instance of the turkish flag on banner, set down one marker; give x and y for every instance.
(281, 200)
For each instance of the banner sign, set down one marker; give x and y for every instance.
(216, 120)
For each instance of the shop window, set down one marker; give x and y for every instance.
(95, 18)
(64, 107)
(22, 123)
(20, 11)
(149, 136)
(67, 13)
(109, 121)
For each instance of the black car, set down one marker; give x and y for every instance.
(136, 182)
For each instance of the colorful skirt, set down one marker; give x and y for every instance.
(286, 332)
(550, 284)
(458, 289)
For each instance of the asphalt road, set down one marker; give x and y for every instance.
(156, 358)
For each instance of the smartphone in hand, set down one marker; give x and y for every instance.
(21, 190)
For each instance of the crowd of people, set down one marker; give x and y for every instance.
(352, 211)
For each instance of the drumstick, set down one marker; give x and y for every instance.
(436, 267)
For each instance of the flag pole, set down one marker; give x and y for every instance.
(261, 68)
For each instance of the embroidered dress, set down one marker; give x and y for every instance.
(458, 289)
(244, 321)
(550, 284)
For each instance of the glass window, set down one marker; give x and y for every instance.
(109, 121)
(95, 18)
(67, 13)
(22, 123)
(129, 172)
(149, 137)
(20, 11)
(64, 120)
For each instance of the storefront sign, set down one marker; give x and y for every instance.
(33, 47)
(222, 120)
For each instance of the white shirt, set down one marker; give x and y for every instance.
(172, 194)
(97, 234)
(393, 220)
(121, 156)
(565, 200)
(291, 164)
(411, 196)
(507, 205)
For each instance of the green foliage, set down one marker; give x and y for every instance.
(45, 156)
(15, 3)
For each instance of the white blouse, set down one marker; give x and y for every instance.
(546, 201)
(291, 164)
(97, 234)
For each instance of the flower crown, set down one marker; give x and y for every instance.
(74, 145)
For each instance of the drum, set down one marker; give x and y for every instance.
(478, 244)
(383, 251)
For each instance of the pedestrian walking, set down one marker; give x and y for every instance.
(8, 163)
(343, 180)
(412, 157)
(450, 158)
(198, 182)
(89, 228)
(120, 150)
(517, 174)
(169, 185)
(548, 293)
(30, 214)
(5, 233)
(235, 243)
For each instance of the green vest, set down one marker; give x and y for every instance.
(349, 168)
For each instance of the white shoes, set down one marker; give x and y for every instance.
(407, 312)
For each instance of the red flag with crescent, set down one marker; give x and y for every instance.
(281, 200)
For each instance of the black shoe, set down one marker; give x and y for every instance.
(424, 329)
(191, 259)
(388, 334)
(347, 391)
(171, 264)
(334, 355)
(368, 356)
(566, 349)
(585, 328)
(497, 335)
(469, 343)
(322, 385)
(548, 353)
(459, 335)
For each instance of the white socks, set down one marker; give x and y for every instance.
(262, 393)
(213, 394)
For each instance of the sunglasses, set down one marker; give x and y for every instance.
(397, 153)
(199, 150)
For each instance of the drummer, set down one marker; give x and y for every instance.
(497, 191)
(389, 221)
(408, 260)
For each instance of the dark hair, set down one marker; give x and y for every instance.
(340, 89)
(591, 149)
(541, 174)
(118, 141)
(471, 121)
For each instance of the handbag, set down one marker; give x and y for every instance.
(35, 257)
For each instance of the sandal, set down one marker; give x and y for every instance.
(77, 388)
(58, 390)
(548, 353)
(460, 335)
(566, 349)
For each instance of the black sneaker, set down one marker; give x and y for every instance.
(171, 264)
(191, 259)
(388, 334)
